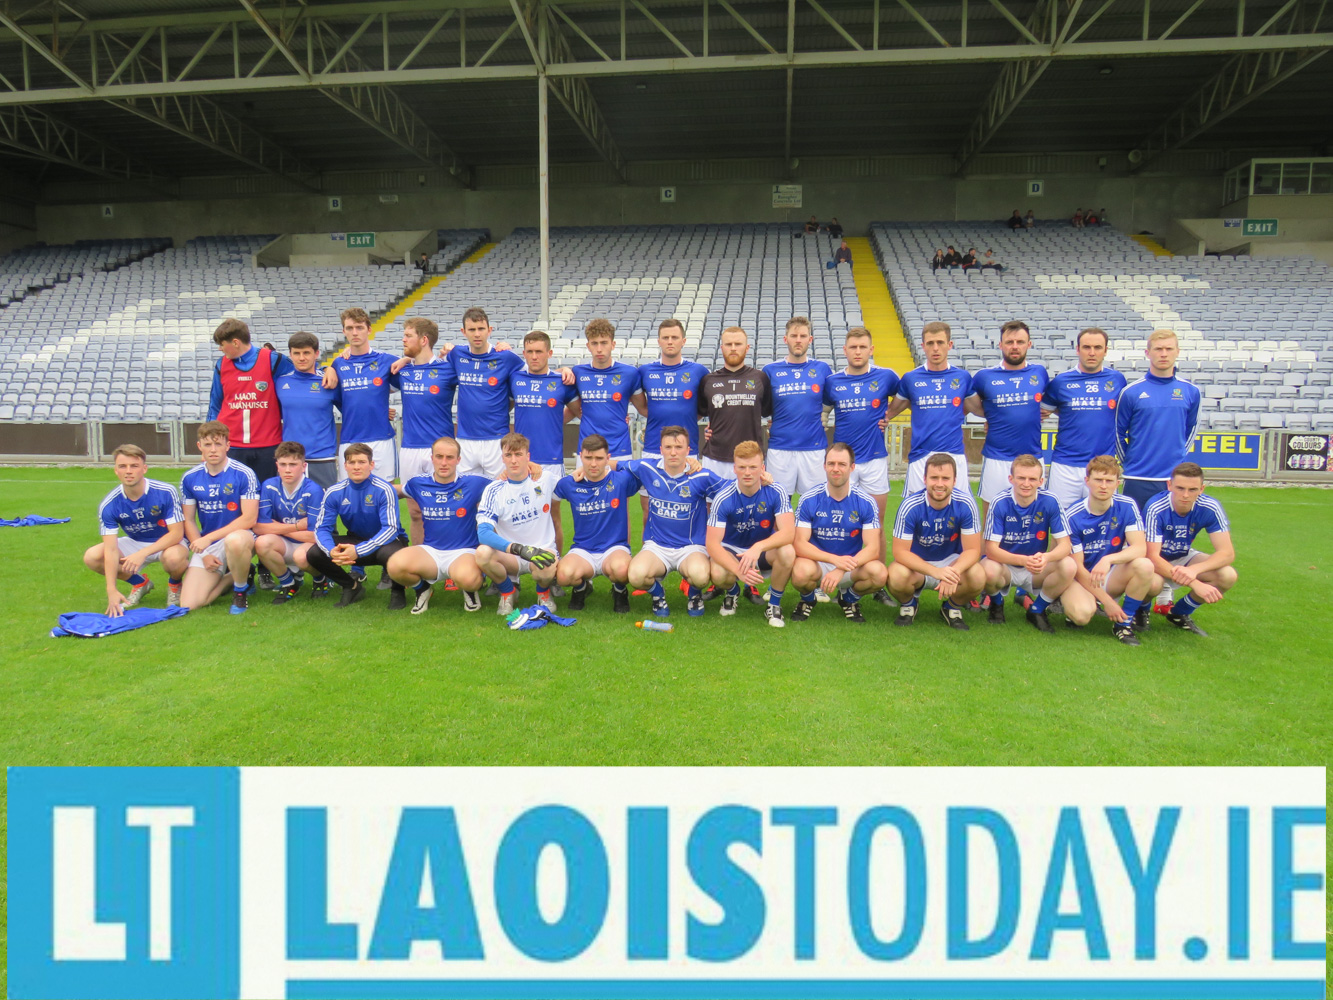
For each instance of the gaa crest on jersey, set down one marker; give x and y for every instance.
(854, 517)
(537, 490)
(315, 387)
(615, 380)
(763, 506)
(261, 386)
(685, 376)
(1032, 380)
(954, 384)
(1175, 393)
(873, 386)
(228, 489)
(370, 500)
(374, 366)
(550, 386)
(1039, 517)
(684, 492)
(491, 365)
(155, 510)
(458, 494)
(749, 383)
(812, 374)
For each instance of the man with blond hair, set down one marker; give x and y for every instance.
(1155, 421)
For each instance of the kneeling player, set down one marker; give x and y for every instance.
(598, 503)
(1110, 552)
(514, 528)
(150, 513)
(368, 507)
(1173, 519)
(837, 540)
(675, 530)
(447, 505)
(1027, 544)
(287, 504)
(937, 546)
(751, 531)
(225, 495)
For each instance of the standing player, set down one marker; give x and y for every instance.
(483, 396)
(735, 398)
(288, 504)
(541, 407)
(1173, 520)
(599, 506)
(368, 507)
(935, 391)
(1085, 398)
(447, 504)
(366, 380)
(1009, 396)
(149, 511)
(796, 438)
(937, 546)
(225, 496)
(674, 533)
(751, 531)
(1110, 552)
(605, 387)
(427, 384)
(1155, 421)
(307, 409)
(521, 509)
(1027, 544)
(837, 540)
(669, 391)
(244, 397)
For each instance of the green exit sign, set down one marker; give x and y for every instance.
(360, 241)
(1259, 227)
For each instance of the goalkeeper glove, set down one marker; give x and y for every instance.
(540, 558)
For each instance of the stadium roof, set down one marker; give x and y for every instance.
(162, 89)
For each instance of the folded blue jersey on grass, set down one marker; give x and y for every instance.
(536, 616)
(86, 625)
(28, 520)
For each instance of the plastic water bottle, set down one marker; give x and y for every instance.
(651, 626)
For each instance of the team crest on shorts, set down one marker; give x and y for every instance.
(261, 386)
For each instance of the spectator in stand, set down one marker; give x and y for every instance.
(1015, 220)
(1091, 219)
(970, 258)
(843, 255)
(952, 257)
(988, 260)
(1078, 218)
(937, 261)
(812, 225)
(1029, 220)
(423, 264)
(1100, 218)
(835, 228)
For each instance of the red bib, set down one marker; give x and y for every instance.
(250, 403)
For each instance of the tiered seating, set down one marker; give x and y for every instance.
(136, 343)
(40, 266)
(1256, 333)
(708, 276)
(458, 243)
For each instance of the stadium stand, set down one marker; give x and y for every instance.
(1256, 333)
(457, 245)
(144, 330)
(38, 267)
(709, 276)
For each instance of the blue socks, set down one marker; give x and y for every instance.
(693, 591)
(997, 599)
(848, 597)
(421, 586)
(1132, 605)
(287, 579)
(1187, 605)
(734, 590)
(1039, 604)
(775, 597)
(809, 598)
(657, 590)
(136, 579)
(506, 587)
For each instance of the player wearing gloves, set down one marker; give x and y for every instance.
(514, 528)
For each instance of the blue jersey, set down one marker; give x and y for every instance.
(366, 382)
(1011, 400)
(483, 392)
(1025, 531)
(1097, 535)
(798, 405)
(277, 506)
(428, 402)
(600, 510)
(1176, 531)
(145, 519)
(672, 392)
(448, 510)
(937, 409)
(677, 507)
(747, 520)
(307, 412)
(604, 396)
(539, 413)
(836, 525)
(858, 403)
(1155, 421)
(369, 511)
(1086, 404)
(937, 533)
(218, 497)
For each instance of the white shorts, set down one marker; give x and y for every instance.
(723, 469)
(1185, 559)
(933, 582)
(413, 462)
(765, 570)
(796, 471)
(1068, 483)
(872, 476)
(672, 558)
(480, 458)
(595, 559)
(916, 474)
(444, 558)
(128, 546)
(218, 550)
(825, 568)
(1021, 576)
(385, 458)
(994, 478)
